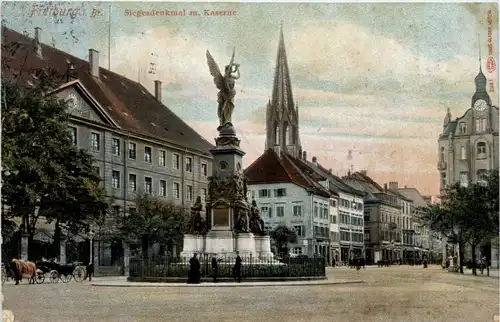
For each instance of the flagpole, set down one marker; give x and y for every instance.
(109, 39)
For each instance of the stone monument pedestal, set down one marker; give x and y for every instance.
(192, 244)
(220, 242)
(263, 247)
(245, 244)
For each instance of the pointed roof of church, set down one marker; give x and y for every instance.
(282, 86)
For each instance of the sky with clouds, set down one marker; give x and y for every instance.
(368, 77)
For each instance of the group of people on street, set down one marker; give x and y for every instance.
(194, 274)
(357, 263)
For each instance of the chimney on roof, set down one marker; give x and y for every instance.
(315, 160)
(304, 155)
(363, 172)
(158, 90)
(406, 187)
(94, 62)
(385, 187)
(38, 43)
(330, 171)
(393, 185)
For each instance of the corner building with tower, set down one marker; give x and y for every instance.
(468, 147)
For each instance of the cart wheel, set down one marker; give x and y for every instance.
(40, 277)
(65, 278)
(79, 274)
(53, 276)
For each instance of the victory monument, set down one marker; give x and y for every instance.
(232, 222)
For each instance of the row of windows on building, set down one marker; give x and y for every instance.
(480, 152)
(321, 210)
(95, 146)
(351, 204)
(346, 219)
(390, 236)
(267, 193)
(148, 186)
(267, 211)
(407, 222)
(481, 174)
(351, 236)
(321, 231)
(481, 126)
(408, 239)
(281, 192)
(406, 208)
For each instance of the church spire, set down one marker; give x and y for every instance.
(282, 117)
(480, 81)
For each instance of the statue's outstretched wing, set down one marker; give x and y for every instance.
(215, 72)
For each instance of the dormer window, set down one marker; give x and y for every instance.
(462, 128)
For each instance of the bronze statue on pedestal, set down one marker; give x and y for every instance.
(225, 83)
(197, 224)
(256, 222)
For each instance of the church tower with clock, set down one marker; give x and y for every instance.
(468, 146)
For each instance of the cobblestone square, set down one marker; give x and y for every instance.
(387, 294)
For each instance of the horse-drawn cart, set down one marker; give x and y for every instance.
(64, 272)
(8, 273)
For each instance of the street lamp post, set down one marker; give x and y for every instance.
(91, 239)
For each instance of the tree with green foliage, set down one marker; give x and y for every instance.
(447, 219)
(155, 220)
(49, 178)
(467, 214)
(282, 236)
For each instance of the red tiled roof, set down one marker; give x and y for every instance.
(270, 168)
(116, 93)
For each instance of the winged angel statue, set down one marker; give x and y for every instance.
(225, 84)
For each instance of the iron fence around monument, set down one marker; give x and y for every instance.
(253, 268)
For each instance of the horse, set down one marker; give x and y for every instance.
(21, 267)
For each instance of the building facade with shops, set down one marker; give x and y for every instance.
(381, 212)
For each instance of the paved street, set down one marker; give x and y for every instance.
(388, 294)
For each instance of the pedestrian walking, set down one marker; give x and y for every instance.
(214, 269)
(194, 270)
(483, 264)
(89, 271)
(237, 268)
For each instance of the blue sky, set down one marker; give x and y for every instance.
(373, 78)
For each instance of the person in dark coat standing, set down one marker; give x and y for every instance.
(194, 270)
(214, 269)
(89, 271)
(237, 268)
